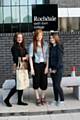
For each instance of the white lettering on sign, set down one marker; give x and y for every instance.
(44, 18)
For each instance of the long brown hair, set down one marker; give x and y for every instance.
(36, 33)
(57, 38)
(20, 47)
(15, 39)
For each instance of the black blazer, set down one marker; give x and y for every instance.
(55, 57)
(17, 52)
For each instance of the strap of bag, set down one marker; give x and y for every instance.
(19, 63)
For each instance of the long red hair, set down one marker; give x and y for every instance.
(36, 33)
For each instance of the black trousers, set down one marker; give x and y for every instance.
(56, 80)
(11, 93)
(40, 79)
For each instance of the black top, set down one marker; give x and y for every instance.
(55, 57)
(18, 51)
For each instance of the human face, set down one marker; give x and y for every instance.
(19, 38)
(40, 36)
(52, 40)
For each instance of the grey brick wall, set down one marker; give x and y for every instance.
(71, 42)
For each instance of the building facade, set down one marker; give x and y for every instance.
(68, 23)
(16, 15)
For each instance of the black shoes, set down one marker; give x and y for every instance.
(22, 103)
(7, 103)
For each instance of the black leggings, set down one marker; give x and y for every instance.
(56, 79)
(11, 93)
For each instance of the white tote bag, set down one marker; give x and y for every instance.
(22, 77)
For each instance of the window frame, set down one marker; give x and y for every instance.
(15, 27)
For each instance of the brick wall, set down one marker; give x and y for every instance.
(71, 42)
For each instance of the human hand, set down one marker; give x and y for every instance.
(46, 70)
(25, 58)
(53, 71)
(32, 72)
(50, 70)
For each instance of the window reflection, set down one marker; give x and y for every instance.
(15, 14)
(17, 11)
(24, 15)
(23, 2)
(1, 2)
(39, 1)
(1, 15)
(7, 15)
(31, 2)
(6, 2)
(15, 2)
(30, 14)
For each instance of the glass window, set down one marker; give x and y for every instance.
(7, 15)
(15, 14)
(1, 15)
(1, 2)
(31, 2)
(30, 14)
(24, 14)
(6, 2)
(15, 2)
(23, 2)
(39, 1)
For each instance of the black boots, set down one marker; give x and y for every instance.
(8, 104)
(20, 93)
(11, 93)
(22, 103)
(6, 101)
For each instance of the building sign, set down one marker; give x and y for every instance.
(45, 17)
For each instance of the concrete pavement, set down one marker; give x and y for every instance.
(70, 110)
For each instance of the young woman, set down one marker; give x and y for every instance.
(38, 57)
(56, 66)
(18, 51)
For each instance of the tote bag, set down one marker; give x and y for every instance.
(22, 77)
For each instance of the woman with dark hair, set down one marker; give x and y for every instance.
(38, 57)
(18, 50)
(56, 66)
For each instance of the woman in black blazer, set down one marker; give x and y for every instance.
(18, 50)
(56, 66)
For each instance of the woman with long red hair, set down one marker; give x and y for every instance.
(38, 57)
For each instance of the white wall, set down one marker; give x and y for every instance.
(68, 12)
